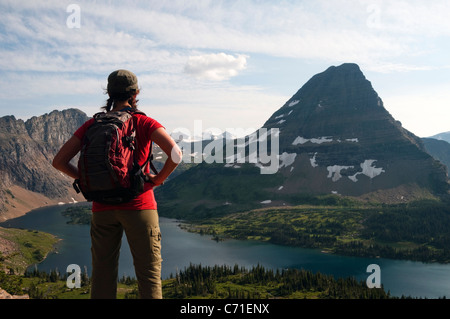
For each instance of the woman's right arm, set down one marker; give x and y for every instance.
(68, 151)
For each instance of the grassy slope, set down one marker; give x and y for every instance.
(30, 246)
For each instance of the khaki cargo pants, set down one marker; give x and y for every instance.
(144, 238)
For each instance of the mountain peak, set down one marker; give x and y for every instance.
(347, 73)
(337, 82)
(345, 67)
(339, 100)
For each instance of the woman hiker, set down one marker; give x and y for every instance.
(138, 217)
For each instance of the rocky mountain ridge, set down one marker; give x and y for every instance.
(27, 148)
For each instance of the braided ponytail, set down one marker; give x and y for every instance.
(129, 96)
(109, 105)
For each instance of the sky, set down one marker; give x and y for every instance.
(211, 65)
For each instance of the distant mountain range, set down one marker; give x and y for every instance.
(442, 137)
(439, 149)
(439, 146)
(333, 136)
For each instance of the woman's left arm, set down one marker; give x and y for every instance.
(173, 152)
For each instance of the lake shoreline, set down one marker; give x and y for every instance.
(181, 249)
(197, 228)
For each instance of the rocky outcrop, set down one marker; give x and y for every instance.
(26, 153)
(5, 295)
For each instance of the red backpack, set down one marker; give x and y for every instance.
(108, 170)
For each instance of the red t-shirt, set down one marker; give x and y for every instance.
(145, 126)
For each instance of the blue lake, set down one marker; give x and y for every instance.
(181, 248)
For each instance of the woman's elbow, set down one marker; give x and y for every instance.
(56, 163)
(59, 161)
(176, 155)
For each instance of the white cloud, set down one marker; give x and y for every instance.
(370, 33)
(216, 67)
(411, 17)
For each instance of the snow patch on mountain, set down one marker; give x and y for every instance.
(313, 161)
(295, 102)
(320, 140)
(317, 140)
(368, 169)
(334, 172)
(287, 159)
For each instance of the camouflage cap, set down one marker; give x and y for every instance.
(122, 81)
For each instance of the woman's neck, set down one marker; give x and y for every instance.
(120, 106)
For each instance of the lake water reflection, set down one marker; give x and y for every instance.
(180, 248)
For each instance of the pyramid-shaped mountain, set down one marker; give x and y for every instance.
(336, 123)
(334, 137)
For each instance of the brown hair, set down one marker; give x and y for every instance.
(128, 96)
